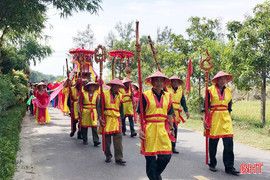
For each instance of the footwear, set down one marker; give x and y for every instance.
(175, 152)
(121, 162)
(71, 134)
(232, 171)
(96, 144)
(133, 134)
(124, 133)
(108, 159)
(85, 143)
(214, 169)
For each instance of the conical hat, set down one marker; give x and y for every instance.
(126, 80)
(177, 78)
(135, 84)
(221, 74)
(92, 84)
(115, 82)
(157, 74)
(41, 84)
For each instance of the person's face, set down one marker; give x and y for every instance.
(158, 82)
(115, 88)
(134, 88)
(222, 81)
(127, 84)
(174, 83)
(90, 88)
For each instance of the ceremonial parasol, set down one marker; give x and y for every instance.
(123, 55)
(83, 57)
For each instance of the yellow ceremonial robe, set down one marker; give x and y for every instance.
(221, 122)
(112, 112)
(157, 139)
(127, 102)
(89, 110)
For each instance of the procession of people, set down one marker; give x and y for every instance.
(156, 111)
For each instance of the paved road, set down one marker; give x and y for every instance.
(48, 153)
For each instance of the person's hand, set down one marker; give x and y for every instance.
(141, 135)
(172, 132)
(101, 121)
(187, 114)
(205, 125)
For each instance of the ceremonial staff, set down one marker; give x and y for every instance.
(72, 114)
(100, 56)
(207, 120)
(138, 49)
(154, 52)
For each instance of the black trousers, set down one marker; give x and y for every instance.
(94, 134)
(131, 124)
(155, 166)
(175, 135)
(31, 108)
(228, 156)
(74, 126)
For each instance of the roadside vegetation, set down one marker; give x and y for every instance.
(247, 126)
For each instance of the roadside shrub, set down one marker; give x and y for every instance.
(9, 139)
(13, 89)
(7, 96)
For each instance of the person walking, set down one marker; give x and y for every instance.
(219, 122)
(159, 131)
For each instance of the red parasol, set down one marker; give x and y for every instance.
(83, 51)
(121, 54)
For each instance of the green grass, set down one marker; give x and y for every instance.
(10, 127)
(250, 111)
(247, 126)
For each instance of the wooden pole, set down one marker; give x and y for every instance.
(154, 53)
(100, 57)
(206, 69)
(138, 49)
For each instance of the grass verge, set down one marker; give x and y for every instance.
(245, 132)
(10, 127)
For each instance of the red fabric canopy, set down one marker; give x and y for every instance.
(79, 50)
(121, 54)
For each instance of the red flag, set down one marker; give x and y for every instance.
(189, 72)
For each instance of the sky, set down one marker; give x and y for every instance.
(151, 14)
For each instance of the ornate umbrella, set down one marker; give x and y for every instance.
(123, 55)
(84, 58)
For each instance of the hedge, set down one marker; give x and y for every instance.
(10, 127)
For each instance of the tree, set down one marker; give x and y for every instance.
(201, 29)
(251, 57)
(20, 54)
(125, 31)
(85, 38)
(20, 17)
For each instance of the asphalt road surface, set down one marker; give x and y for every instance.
(48, 153)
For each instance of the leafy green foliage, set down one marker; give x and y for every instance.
(9, 139)
(13, 89)
(36, 76)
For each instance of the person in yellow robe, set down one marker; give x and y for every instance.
(158, 126)
(128, 102)
(220, 124)
(178, 100)
(113, 108)
(72, 103)
(89, 101)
